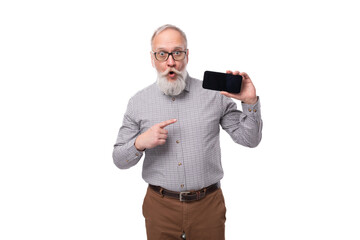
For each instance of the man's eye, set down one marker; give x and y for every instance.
(162, 53)
(177, 52)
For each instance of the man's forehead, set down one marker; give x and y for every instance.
(169, 38)
(167, 48)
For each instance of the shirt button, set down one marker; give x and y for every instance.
(180, 164)
(173, 98)
(182, 185)
(255, 110)
(177, 141)
(127, 160)
(136, 154)
(249, 109)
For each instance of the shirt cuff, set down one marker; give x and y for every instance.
(252, 109)
(133, 153)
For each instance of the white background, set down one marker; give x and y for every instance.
(68, 68)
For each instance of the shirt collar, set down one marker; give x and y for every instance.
(188, 82)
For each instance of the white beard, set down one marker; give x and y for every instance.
(172, 88)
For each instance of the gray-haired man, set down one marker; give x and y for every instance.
(176, 123)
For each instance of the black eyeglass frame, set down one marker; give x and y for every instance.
(170, 54)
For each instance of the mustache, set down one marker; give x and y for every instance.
(166, 72)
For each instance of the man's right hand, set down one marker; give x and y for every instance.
(154, 136)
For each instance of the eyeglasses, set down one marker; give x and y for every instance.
(163, 56)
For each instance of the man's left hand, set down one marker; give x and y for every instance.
(247, 93)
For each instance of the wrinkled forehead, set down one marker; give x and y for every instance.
(169, 39)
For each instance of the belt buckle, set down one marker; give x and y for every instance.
(181, 194)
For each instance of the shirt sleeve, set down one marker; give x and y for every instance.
(245, 127)
(125, 154)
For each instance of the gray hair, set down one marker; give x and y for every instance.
(168, 26)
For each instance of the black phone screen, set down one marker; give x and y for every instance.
(222, 82)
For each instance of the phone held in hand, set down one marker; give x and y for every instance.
(222, 82)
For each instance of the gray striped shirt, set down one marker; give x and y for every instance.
(190, 159)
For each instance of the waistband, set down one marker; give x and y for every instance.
(187, 196)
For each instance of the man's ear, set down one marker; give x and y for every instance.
(152, 59)
(187, 56)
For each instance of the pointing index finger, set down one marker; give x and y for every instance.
(167, 123)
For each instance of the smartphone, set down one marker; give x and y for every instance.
(222, 82)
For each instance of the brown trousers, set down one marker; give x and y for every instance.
(168, 219)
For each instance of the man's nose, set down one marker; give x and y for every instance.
(170, 61)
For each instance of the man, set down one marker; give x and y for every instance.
(176, 123)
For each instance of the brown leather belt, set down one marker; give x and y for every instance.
(186, 196)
